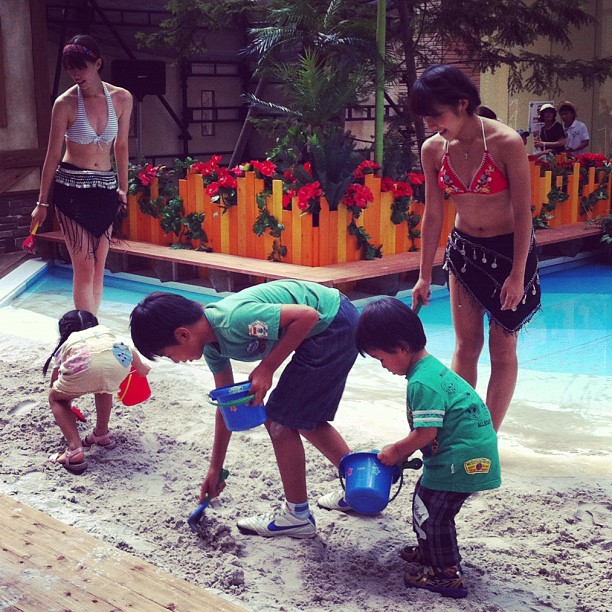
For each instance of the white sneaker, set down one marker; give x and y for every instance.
(279, 522)
(334, 501)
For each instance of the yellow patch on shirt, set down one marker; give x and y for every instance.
(482, 465)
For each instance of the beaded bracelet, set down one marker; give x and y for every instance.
(43, 204)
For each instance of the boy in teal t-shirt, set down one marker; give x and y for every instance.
(266, 323)
(452, 427)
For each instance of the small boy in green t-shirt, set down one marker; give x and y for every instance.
(266, 323)
(452, 427)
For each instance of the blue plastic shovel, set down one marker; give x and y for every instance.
(194, 518)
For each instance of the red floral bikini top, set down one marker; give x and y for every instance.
(488, 179)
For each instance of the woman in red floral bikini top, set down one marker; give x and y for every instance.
(490, 254)
(489, 178)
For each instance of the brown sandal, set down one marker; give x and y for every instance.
(105, 441)
(78, 467)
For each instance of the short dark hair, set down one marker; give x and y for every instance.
(443, 85)
(388, 324)
(155, 319)
(485, 111)
(79, 50)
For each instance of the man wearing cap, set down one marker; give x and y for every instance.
(576, 133)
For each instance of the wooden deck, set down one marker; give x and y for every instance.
(332, 275)
(47, 565)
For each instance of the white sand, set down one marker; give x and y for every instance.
(541, 542)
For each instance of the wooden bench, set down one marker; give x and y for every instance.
(331, 275)
(47, 565)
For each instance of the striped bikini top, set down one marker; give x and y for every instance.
(488, 179)
(81, 131)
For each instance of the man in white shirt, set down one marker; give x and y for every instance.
(576, 133)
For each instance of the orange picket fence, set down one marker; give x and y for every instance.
(569, 211)
(312, 241)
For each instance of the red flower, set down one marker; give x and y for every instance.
(208, 168)
(367, 166)
(212, 189)
(265, 168)
(399, 189)
(308, 168)
(148, 174)
(237, 171)
(226, 179)
(588, 160)
(357, 195)
(288, 176)
(308, 192)
(288, 197)
(416, 178)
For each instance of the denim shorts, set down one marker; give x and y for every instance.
(311, 385)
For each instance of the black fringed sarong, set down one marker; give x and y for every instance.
(86, 204)
(482, 265)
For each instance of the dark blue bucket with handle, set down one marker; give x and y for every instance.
(234, 402)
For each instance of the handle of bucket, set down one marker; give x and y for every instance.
(418, 306)
(239, 402)
(412, 464)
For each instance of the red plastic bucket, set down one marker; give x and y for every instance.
(234, 402)
(367, 481)
(134, 389)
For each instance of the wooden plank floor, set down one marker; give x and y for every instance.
(47, 565)
(330, 275)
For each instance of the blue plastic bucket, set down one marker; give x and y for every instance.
(234, 403)
(367, 482)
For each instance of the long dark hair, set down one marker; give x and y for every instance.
(72, 321)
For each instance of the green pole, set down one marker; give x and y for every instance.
(379, 116)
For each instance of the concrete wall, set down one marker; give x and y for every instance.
(587, 43)
(20, 132)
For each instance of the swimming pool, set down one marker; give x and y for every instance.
(571, 334)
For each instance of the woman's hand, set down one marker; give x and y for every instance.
(122, 195)
(39, 214)
(512, 292)
(421, 290)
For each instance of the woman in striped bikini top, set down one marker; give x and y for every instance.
(82, 132)
(91, 120)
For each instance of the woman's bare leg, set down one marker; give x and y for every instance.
(468, 323)
(88, 274)
(504, 372)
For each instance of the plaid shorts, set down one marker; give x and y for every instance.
(433, 521)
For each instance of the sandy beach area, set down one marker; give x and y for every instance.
(542, 541)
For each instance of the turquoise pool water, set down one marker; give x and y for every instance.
(571, 334)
